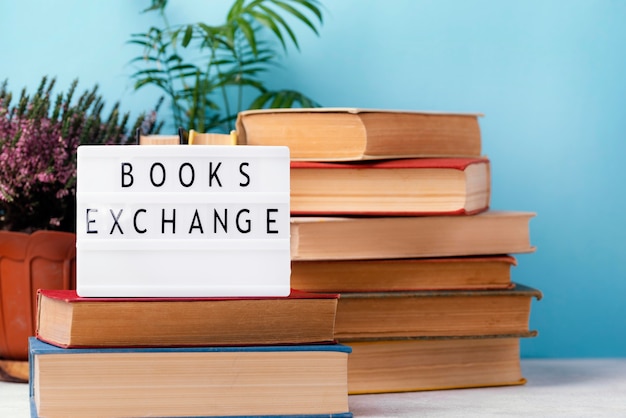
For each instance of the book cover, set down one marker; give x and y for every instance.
(351, 134)
(67, 320)
(300, 380)
(417, 186)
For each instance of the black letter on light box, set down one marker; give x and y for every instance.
(155, 184)
(127, 177)
(243, 173)
(91, 221)
(213, 174)
(116, 221)
(223, 222)
(195, 223)
(139, 231)
(247, 221)
(271, 221)
(169, 221)
(180, 175)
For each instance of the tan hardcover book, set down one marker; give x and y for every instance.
(67, 320)
(282, 380)
(348, 134)
(417, 186)
(405, 365)
(351, 238)
(389, 275)
(434, 313)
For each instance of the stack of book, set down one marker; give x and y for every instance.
(128, 357)
(391, 210)
(171, 322)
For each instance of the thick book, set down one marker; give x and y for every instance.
(416, 186)
(440, 273)
(406, 365)
(349, 134)
(67, 320)
(453, 313)
(298, 380)
(352, 238)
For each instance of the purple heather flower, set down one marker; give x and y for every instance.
(38, 156)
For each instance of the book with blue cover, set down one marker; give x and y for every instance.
(289, 380)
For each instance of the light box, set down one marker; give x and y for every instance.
(182, 221)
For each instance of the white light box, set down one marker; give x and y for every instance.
(182, 221)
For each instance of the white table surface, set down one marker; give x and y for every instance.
(555, 388)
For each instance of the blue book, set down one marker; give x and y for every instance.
(261, 381)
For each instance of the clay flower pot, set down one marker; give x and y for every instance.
(41, 260)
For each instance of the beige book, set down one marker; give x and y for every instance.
(358, 238)
(345, 134)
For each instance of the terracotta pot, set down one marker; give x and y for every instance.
(41, 260)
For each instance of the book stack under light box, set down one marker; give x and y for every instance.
(390, 209)
(183, 304)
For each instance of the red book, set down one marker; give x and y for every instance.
(409, 187)
(66, 320)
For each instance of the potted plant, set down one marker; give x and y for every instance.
(209, 73)
(39, 135)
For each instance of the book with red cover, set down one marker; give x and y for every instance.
(417, 186)
(67, 320)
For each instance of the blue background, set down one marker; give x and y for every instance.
(549, 76)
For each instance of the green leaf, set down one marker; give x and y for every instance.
(275, 16)
(248, 33)
(149, 71)
(188, 35)
(139, 42)
(145, 59)
(296, 13)
(182, 67)
(282, 98)
(235, 10)
(174, 57)
(209, 30)
(278, 101)
(312, 6)
(260, 101)
(144, 82)
(270, 24)
(187, 74)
